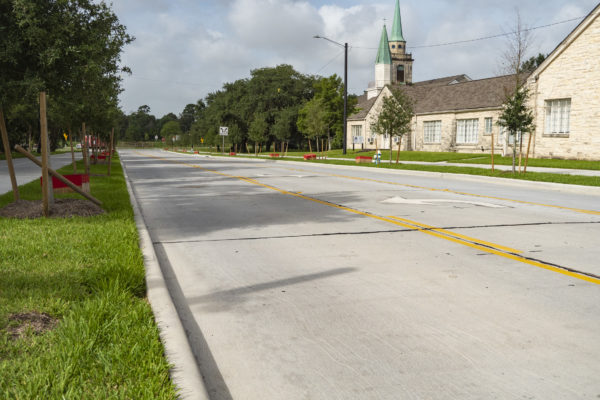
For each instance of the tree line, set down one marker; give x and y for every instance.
(275, 105)
(68, 49)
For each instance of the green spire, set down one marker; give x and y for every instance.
(397, 25)
(383, 54)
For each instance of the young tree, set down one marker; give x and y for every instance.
(394, 118)
(517, 118)
(259, 130)
(312, 119)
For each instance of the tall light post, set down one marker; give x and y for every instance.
(345, 46)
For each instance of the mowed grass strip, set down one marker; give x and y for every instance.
(88, 275)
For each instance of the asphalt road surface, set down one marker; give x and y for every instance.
(26, 171)
(299, 281)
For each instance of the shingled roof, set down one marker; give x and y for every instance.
(439, 95)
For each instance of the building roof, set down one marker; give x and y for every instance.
(363, 106)
(397, 25)
(384, 56)
(436, 97)
(448, 80)
(468, 95)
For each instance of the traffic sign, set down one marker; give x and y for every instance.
(223, 131)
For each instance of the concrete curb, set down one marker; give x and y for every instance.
(184, 371)
(559, 187)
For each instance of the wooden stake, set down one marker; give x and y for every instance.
(398, 153)
(247, 149)
(7, 151)
(110, 149)
(527, 156)
(58, 176)
(86, 165)
(72, 152)
(44, 135)
(492, 151)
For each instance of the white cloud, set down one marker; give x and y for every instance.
(188, 48)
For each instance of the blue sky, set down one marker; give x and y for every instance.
(185, 49)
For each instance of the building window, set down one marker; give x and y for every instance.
(356, 131)
(393, 46)
(558, 116)
(400, 73)
(432, 131)
(488, 126)
(466, 131)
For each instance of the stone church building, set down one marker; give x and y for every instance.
(459, 114)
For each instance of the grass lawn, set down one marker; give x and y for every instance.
(529, 176)
(88, 274)
(537, 162)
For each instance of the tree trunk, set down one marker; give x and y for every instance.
(390, 149)
(7, 151)
(309, 146)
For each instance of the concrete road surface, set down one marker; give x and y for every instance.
(26, 171)
(298, 281)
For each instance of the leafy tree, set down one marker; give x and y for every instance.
(312, 119)
(171, 129)
(188, 117)
(517, 118)
(140, 124)
(331, 91)
(259, 130)
(532, 64)
(395, 117)
(285, 124)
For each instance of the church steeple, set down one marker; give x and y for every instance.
(397, 25)
(401, 60)
(384, 56)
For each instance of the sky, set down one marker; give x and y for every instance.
(186, 49)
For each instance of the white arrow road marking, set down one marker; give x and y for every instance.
(432, 202)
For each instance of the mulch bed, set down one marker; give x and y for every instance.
(62, 208)
(37, 322)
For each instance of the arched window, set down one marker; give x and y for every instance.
(400, 74)
(393, 46)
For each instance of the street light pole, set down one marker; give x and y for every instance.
(344, 128)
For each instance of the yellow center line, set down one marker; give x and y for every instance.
(458, 235)
(450, 236)
(579, 210)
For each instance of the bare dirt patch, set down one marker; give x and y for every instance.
(62, 208)
(36, 322)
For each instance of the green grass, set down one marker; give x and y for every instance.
(88, 273)
(529, 176)
(538, 162)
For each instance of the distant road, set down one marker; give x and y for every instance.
(27, 171)
(304, 281)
